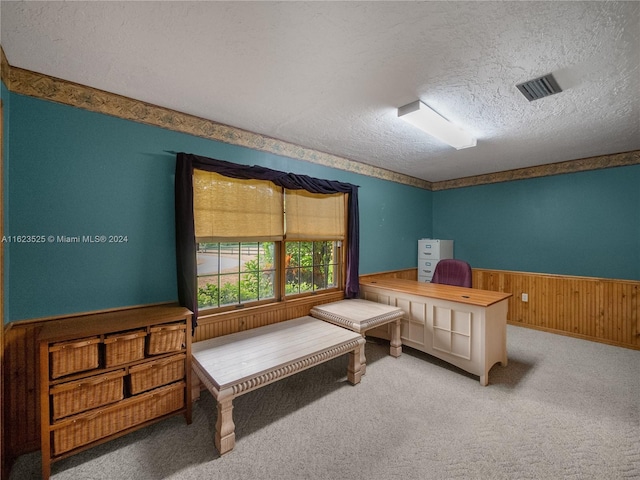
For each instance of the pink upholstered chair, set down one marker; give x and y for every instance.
(452, 272)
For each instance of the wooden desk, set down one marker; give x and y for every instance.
(466, 327)
(232, 365)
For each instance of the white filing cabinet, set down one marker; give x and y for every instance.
(430, 252)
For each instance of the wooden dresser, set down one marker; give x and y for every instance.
(104, 375)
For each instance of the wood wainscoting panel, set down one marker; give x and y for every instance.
(598, 309)
(212, 326)
(405, 274)
(21, 401)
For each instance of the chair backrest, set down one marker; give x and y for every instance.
(452, 272)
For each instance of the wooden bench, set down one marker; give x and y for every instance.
(360, 316)
(232, 365)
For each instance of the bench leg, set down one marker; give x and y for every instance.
(195, 387)
(225, 438)
(354, 371)
(396, 342)
(363, 359)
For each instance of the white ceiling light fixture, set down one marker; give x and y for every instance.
(420, 115)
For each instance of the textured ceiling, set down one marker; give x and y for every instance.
(330, 75)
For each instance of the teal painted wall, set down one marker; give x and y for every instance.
(69, 172)
(585, 224)
(76, 173)
(6, 106)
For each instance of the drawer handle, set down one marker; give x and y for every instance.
(91, 416)
(93, 383)
(169, 328)
(81, 343)
(131, 336)
(76, 345)
(163, 363)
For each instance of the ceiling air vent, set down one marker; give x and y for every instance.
(539, 87)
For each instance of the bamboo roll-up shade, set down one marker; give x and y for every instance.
(226, 208)
(312, 216)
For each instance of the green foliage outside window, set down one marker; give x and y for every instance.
(309, 266)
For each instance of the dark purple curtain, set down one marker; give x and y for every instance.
(185, 232)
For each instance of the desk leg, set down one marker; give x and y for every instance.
(505, 360)
(225, 438)
(396, 342)
(354, 371)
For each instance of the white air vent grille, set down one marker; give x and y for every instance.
(539, 87)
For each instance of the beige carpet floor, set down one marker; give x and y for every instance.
(563, 408)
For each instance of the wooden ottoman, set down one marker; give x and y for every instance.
(362, 315)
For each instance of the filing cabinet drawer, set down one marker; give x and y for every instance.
(426, 267)
(432, 248)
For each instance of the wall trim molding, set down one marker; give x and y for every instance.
(570, 166)
(4, 67)
(45, 87)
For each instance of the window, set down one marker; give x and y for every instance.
(246, 273)
(257, 242)
(341, 268)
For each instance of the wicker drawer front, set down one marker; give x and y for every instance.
(124, 347)
(156, 373)
(86, 428)
(75, 397)
(166, 338)
(72, 357)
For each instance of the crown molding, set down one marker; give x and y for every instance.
(571, 166)
(4, 67)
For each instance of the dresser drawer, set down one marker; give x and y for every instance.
(74, 356)
(100, 423)
(124, 347)
(87, 393)
(166, 338)
(149, 375)
(431, 248)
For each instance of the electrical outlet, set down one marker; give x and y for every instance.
(525, 297)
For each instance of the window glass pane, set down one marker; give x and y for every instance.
(310, 266)
(229, 289)
(232, 273)
(207, 291)
(321, 257)
(306, 267)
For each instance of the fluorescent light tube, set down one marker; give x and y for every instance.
(421, 116)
